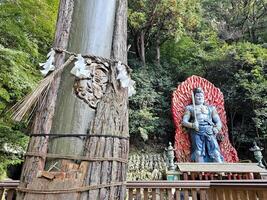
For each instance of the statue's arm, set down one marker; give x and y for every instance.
(216, 120)
(186, 119)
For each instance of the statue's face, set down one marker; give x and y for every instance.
(199, 98)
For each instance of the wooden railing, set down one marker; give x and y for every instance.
(198, 190)
(8, 189)
(179, 190)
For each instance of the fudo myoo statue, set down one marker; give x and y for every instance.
(204, 125)
(185, 142)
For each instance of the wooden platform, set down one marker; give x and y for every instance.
(216, 171)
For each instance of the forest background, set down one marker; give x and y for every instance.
(223, 41)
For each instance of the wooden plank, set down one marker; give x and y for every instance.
(243, 194)
(193, 176)
(252, 195)
(210, 194)
(186, 194)
(264, 194)
(10, 194)
(185, 176)
(203, 195)
(250, 176)
(200, 176)
(177, 194)
(145, 193)
(169, 193)
(221, 194)
(228, 194)
(162, 193)
(130, 192)
(206, 176)
(229, 176)
(238, 195)
(138, 194)
(260, 195)
(154, 194)
(211, 176)
(194, 194)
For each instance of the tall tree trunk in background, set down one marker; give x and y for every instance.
(98, 27)
(158, 51)
(142, 47)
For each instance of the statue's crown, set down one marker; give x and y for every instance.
(198, 90)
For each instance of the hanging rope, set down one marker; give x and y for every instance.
(109, 60)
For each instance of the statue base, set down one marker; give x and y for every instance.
(216, 171)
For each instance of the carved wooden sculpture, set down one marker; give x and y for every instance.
(180, 99)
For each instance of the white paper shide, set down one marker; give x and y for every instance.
(125, 80)
(49, 64)
(80, 70)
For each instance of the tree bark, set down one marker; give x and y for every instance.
(43, 118)
(142, 47)
(158, 51)
(111, 118)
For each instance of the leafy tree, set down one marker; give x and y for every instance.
(151, 23)
(238, 19)
(26, 29)
(244, 67)
(150, 116)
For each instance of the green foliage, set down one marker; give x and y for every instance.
(160, 20)
(26, 29)
(12, 144)
(149, 108)
(237, 20)
(17, 76)
(241, 75)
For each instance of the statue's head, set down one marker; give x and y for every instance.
(199, 96)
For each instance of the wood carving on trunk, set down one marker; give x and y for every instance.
(92, 89)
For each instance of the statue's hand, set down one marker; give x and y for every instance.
(195, 125)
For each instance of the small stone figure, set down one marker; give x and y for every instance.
(204, 124)
(257, 153)
(170, 156)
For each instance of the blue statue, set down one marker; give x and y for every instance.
(204, 124)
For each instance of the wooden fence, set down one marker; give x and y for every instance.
(198, 190)
(179, 190)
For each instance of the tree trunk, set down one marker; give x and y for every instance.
(142, 47)
(158, 51)
(93, 31)
(43, 117)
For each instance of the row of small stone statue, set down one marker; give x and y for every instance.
(146, 166)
